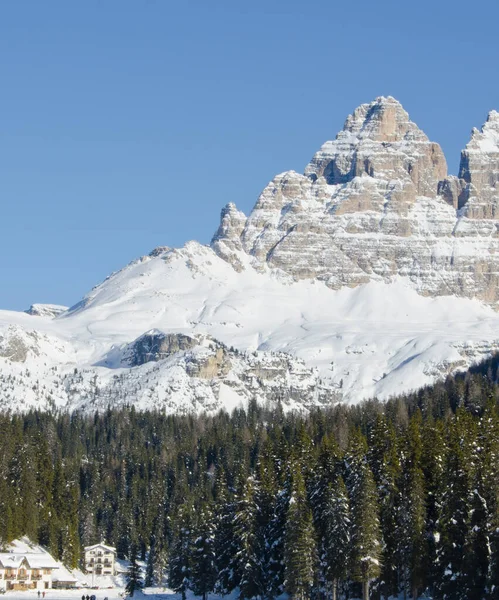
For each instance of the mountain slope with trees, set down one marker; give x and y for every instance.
(377, 498)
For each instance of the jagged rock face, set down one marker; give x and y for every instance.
(154, 346)
(46, 310)
(227, 240)
(14, 347)
(380, 141)
(376, 203)
(479, 172)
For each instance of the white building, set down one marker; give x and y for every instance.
(100, 559)
(26, 570)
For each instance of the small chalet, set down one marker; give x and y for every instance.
(100, 559)
(26, 570)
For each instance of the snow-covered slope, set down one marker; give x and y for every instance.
(362, 277)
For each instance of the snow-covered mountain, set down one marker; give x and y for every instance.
(372, 273)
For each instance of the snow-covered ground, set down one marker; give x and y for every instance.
(146, 594)
(377, 339)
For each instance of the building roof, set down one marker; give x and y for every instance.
(62, 575)
(87, 548)
(24, 549)
(13, 560)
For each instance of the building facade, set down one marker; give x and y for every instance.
(100, 559)
(26, 571)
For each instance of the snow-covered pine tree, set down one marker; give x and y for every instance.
(476, 546)
(203, 564)
(265, 495)
(160, 566)
(489, 442)
(181, 552)
(247, 558)
(300, 547)
(384, 460)
(133, 576)
(366, 532)
(410, 518)
(276, 536)
(433, 460)
(455, 513)
(151, 559)
(336, 534)
(225, 543)
(70, 538)
(330, 508)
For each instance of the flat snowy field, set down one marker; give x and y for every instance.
(146, 594)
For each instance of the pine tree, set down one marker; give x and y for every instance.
(330, 507)
(160, 565)
(203, 565)
(151, 560)
(300, 549)
(366, 533)
(133, 577)
(277, 535)
(489, 442)
(69, 536)
(265, 494)
(335, 533)
(454, 522)
(181, 553)
(410, 521)
(225, 542)
(247, 563)
(433, 461)
(385, 464)
(476, 548)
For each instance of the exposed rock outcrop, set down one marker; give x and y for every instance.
(156, 345)
(377, 203)
(227, 240)
(46, 310)
(479, 172)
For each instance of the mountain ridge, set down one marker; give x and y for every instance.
(373, 273)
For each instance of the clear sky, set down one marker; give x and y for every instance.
(128, 124)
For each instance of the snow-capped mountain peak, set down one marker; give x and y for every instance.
(372, 273)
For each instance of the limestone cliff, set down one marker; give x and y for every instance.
(376, 203)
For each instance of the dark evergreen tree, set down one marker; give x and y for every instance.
(410, 521)
(366, 534)
(454, 522)
(225, 541)
(300, 548)
(203, 563)
(181, 553)
(247, 560)
(384, 458)
(133, 576)
(335, 534)
(476, 547)
(276, 537)
(151, 561)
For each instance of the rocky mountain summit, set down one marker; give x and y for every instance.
(372, 273)
(376, 203)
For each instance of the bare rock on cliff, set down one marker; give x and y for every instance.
(376, 203)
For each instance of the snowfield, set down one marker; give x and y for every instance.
(374, 340)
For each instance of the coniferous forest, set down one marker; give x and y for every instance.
(375, 499)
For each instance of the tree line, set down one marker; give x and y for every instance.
(376, 499)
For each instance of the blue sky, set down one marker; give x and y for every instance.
(128, 124)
